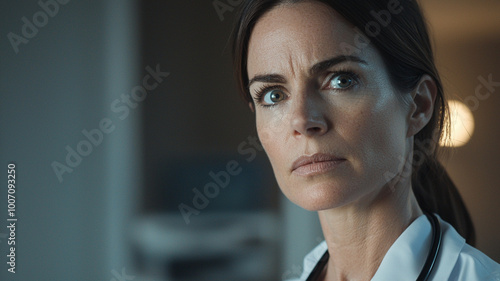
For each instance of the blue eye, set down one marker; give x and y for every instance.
(273, 96)
(342, 81)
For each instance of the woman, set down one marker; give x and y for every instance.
(349, 108)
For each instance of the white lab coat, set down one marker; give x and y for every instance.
(457, 261)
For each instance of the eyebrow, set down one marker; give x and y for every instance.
(315, 69)
(324, 65)
(267, 78)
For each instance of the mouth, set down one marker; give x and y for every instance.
(315, 164)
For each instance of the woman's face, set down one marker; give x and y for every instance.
(329, 119)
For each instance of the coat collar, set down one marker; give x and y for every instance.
(406, 257)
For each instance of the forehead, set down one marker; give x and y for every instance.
(302, 34)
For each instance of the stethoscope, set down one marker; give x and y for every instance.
(429, 262)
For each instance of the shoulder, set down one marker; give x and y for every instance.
(470, 263)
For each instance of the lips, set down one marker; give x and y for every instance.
(315, 164)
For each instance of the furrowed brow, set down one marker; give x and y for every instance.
(267, 78)
(315, 69)
(324, 65)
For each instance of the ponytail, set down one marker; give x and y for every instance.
(436, 193)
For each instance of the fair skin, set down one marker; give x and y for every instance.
(317, 102)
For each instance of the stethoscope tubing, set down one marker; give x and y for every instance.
(437, 236)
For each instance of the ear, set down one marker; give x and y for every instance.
(252, 107)
(422, 104)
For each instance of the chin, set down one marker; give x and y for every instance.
(319, 196)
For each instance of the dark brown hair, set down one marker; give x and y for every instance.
(404, 44)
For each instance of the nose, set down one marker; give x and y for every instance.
(308, 116)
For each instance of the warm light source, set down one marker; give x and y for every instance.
(461, 126)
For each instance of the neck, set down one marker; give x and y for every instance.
(359, 235)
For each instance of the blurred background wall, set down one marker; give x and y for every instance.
(180, 181)
(69, 62)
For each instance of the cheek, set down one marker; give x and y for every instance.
(271, 129)
(264, 131)
(376, 136)
(272, 133)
